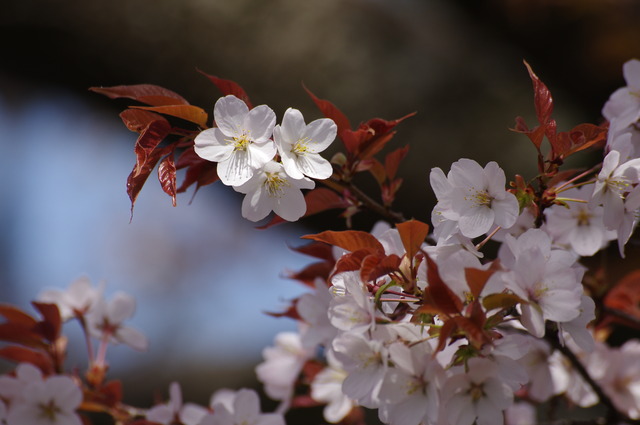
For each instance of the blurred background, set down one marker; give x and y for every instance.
(201, 274)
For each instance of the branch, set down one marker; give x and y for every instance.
(614, 415)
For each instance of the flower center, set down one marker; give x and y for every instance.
(480, 198)
(583, 217)
(241, 143)
(275, 184)
(49, 410)
(476, 391)
(301, 147)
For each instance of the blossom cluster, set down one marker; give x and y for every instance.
(422, 322)
(246, 144)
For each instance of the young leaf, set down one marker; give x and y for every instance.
(541, 97)
(189, 113)
(477, 279)
(199, 171)
(148, 140)
(375, 266)
(137, 178)
(351, 240)
(329, 110)
(167, 176)
(137, 120)
(37, 358)
(228, 87)
(438, 294)
(51, 325)
(380, 134)
(412, 233)
(146, 93)
(392, 161)
(15, 315)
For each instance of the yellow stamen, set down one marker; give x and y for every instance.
(301, 146)
(275, 184)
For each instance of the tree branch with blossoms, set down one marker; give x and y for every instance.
(417, 321)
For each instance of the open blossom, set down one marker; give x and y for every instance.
(52, 401)
(174, 411)
(475, 197)
(76, 300)
(240, 408)
(327, 388)
(241, 143)
(299, 145)
(271, 189)
(477, 395)
(106, 322)
(624, 103)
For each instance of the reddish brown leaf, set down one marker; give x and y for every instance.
(541, 98)
(137, 120)
(438, 293)
(317, 250)
(199, 171)
(52, 323)
(189, 113)
(351, 261)
(389, 191)
(381, 134)
(412, 233)
(37, 358)
(375, 266)
(313, 271)
(473, 331)
(351, 240)
(111, 393)
(330, 111)
(393, 159)
(136, 180)
(148, 140)
(15, 315)
(624, 297)
(374, 167)
(502, 301)
(167, 176)
(477, 279)
(446, 330)
(536, 135)
(291, 313)
(20, 334)
(145, 93)
(228, 87)
(579, 138)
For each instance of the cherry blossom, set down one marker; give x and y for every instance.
(476, 395)
(271, 189)
(474, 197)
(76, 300)
(105, 322)
(240, 408)
(50, 402)
(624, 103)
(241, 143)
(175, 411)
(327, 388)
(299, 145)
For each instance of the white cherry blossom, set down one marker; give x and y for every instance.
(299, 145)
(241, 143)
(271, 189)
(240, 408)
(475, 197)
(105, 322)
(76, 300)
(624, 103)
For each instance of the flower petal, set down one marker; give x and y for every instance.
(229, 114)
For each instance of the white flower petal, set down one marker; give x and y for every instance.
(229, 114)
(213, 145)
(260, 122)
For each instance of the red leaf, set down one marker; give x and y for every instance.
(625, 297)
(167, 176)
(446, 330)
(412, 233)
(474, 332)
(136, 180)
(199, 171)
(330, 111)
(541, 98)
(380, 131)
(351, 261)
(477, 279)
(26, 355)
(375, 266)
(15, 315)
(52, 323)
(20, 334)
(228, 87)
(317, 250)
(137, 120)
(111, 393)
(291, 313)
(579, 138)
(438, 293)
(351, 240)
(392, 161)
(189, 113)
(148, 140)
(145, 93)
(313, 271)
(374, 167)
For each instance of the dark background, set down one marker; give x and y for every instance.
(457, 63)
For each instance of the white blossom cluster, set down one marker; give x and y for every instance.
(396, 366)
(246, 145)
